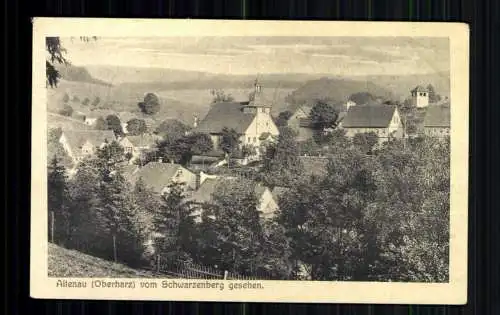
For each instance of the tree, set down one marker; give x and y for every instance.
(281, 163)
(65, 98)
(365, 141)
(362, 98)
(237, 239)
(172, 128)
(66, 110)
(56, 150)
(219, 96)
(433, 96)
(201, 143)
(150, 105)
(181, 149)
(321, 217)
(282, 119)
(110, 155)
(56, 54)
(174, 221)
(85, 101)
(59, 201)
(96, 101)
(136, 127)
(101, 124)
(323, 116)
(230, 141)
(114, 123)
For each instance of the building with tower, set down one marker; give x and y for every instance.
(250, 119)
(420, 97)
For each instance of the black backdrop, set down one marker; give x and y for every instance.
(484, 223)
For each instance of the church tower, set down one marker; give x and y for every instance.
(420, 97)
(257, 103)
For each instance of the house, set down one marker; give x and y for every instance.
(81, 143)
(158, 176)
(420, 97)
(92, 116)
(138, 145)
(249, 119)
(266, 204)
(383, 120)
(437, 121)
(302, 124)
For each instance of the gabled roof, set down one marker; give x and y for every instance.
(144, 140)
(77, 138)
(369, 116)
(419, 88)
(225, 114)
(157, 175)
(437, 116)
(209, 186)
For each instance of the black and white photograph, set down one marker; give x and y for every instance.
(296, 158)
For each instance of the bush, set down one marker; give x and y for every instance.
(66, 110)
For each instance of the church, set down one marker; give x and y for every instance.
(250, 119)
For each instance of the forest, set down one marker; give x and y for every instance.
(381, 213)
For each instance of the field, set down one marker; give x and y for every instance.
(70, 263)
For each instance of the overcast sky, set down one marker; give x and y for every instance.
(253, 55)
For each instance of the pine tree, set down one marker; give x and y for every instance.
(174, 222)
(58, 202)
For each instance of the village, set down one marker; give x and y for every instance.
(254, 126)
(235, 144)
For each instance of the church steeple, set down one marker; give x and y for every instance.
(257, 102)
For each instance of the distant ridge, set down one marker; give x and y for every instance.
(79, 74)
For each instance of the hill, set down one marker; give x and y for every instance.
(335, 89)
(63, 122)
(71, 263)
(401, 85)
(80, 74)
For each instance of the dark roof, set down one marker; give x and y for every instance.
(207, 189)
(77, 138)
(374, 116)
(157, 175)
(226, 114)
(437, 116)
(419, 88)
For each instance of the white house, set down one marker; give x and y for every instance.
(81, 143)
(137, 145)
(266, 204)
(251, 120)
(383, 120)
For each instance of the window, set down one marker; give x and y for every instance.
(249, 139)
(254, 139)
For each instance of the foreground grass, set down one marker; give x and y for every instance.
(71, 263)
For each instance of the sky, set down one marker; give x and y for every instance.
(259, 55)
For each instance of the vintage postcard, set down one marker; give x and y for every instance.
(259, 161)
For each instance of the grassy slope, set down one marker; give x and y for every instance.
(70, 263)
